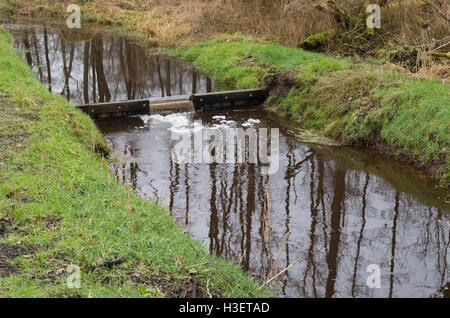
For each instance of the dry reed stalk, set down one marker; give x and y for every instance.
(130, 214)
(274, 285)
(269, 228)
(207, 289)
(92, 141)
(197, 265)
(279, 254)
(242, 258)
(280, 273)
(120, 172)
(265, 218)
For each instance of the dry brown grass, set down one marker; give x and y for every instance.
(290, 21)
(285, 21)
(404, 22)
(182, 22)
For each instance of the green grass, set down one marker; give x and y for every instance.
(43, 135)
(353, 101)
(226, 59)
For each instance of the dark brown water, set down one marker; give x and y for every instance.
(345, 209)
(101, 67)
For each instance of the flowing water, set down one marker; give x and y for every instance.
(336, 211)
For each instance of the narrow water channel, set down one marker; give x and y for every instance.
(345, 209)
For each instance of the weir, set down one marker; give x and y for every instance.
(180, 103)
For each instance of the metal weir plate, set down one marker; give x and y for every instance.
(180, 103)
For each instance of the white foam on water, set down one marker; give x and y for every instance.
(223, 122)
(251, 122)
(171, 120)
(181, 123)
(227, 122)
(186, 129)
(145, 119)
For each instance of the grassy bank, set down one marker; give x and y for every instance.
(59, 206)
(355, 102)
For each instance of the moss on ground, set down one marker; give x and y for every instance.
(59, 205)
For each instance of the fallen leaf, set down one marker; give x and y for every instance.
(60, 271)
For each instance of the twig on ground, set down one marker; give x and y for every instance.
(207, 289)
(194, 286)
(269, 225)
(435, 7)
(109, 263)
(197, 265)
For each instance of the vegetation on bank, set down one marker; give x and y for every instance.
(355, 102)
(59, 205)
(337, 27)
